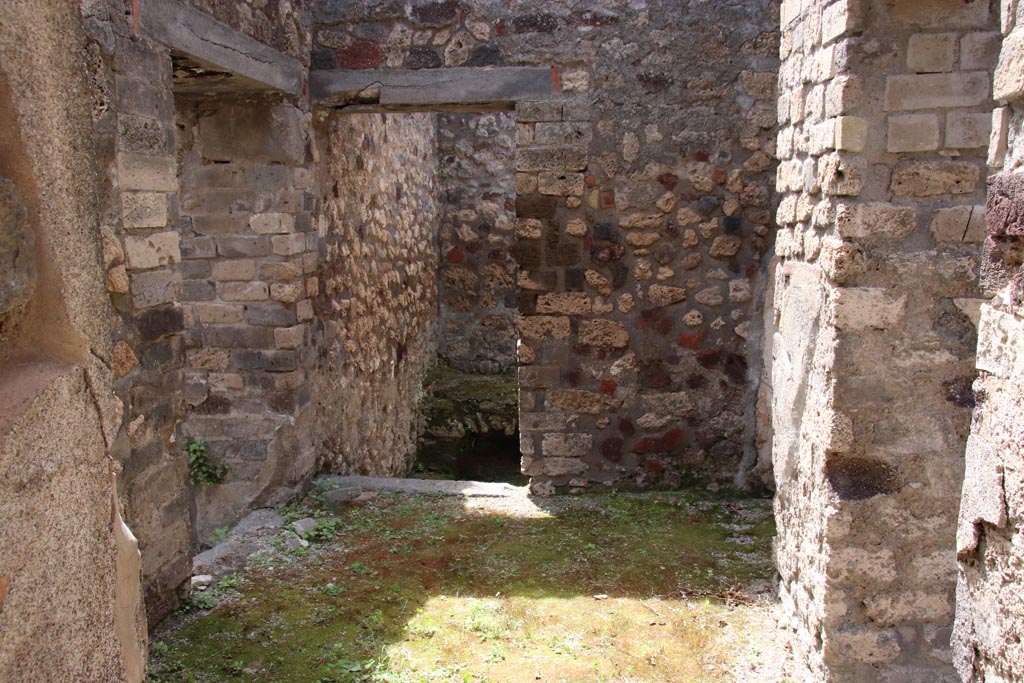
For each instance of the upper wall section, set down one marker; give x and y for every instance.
(644, 213)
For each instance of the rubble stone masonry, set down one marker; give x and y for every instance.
(884, 112)
(643, 213)
(479, 295)
(376, 300)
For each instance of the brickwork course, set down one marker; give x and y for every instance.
(753, 245)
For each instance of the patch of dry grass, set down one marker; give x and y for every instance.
(421, 589)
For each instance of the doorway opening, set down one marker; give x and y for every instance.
(469, 403)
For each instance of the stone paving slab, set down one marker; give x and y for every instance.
(443, 487)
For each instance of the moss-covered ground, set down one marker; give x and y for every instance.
(418, 589)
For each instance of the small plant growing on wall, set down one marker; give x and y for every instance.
(200, 469)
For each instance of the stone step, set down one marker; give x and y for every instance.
(423, 486)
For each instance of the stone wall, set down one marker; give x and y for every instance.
(70, 596)
(884, 109)
(153, 263)
(245, 210)
(643, 215)
(987, 638)
(140, 251)
(376, 303)
(478, 293)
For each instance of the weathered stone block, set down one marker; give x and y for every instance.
(913, 133)
(153, 288)
(959, 224)
(239, 336)
(198, 248)
(928, 178)
(568, 303)
(540, 326)
(147, 172)
(219, 313)
(876, 222)
(999, 137)
(664, 295)
(851, 134)
(538, 111)
(932, 52)
(288, 245)
(287, 292)
(562, 134)
(604, 333)
(289, 337)
(234, 246)
(1009, 75)
(980, 50)
(566, 445)
(144, 209)
(236, 269)
(968, 131)
(936, 91)
(840, 175)
(271, 314)
(253, 132)
(561, 184)
(983, 499)
(865, 308)
(551, 159)
(272, 222)
(576, 401)
(243, 291)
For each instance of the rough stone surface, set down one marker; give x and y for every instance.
(478, 290)
(378, 302)
(870, 358)
(71, 597)
(987, 634)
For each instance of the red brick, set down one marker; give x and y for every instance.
(361, 56)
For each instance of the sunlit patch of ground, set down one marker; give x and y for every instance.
(659, 587)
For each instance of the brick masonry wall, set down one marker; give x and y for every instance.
(249, 253)
(643, 213)
(883, 110)
(376, 307)
(479, 296)
(988, 632)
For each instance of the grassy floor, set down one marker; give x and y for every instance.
(423, 589)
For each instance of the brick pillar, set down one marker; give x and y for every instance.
(249, 252)
(883, 125)
(555, 420)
